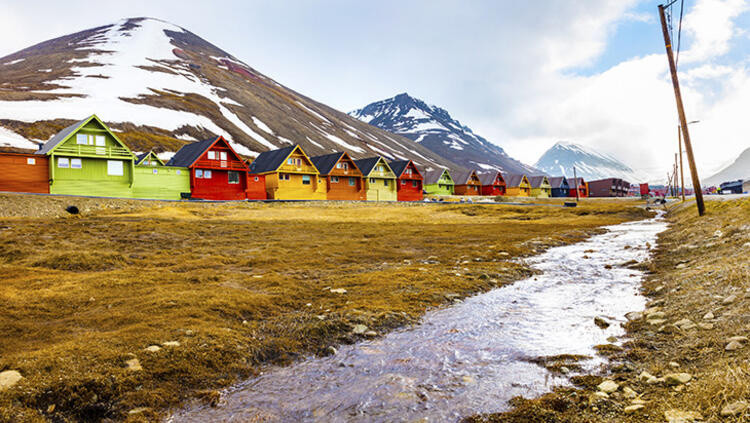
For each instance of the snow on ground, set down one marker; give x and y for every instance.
(259, 123)
(126, 49)
(286, 140)
(343, 143)
(9, 138)
(352, 134)
(315, 143)
(13, 62)
(417, 114)
(420, 138)
(318, 115)
(426, 126)
(379, 151)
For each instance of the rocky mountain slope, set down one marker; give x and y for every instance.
(589, 164)
(434, 128)
(162, 86)
(739, 169)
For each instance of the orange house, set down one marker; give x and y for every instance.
(466, 183)
(342, 177)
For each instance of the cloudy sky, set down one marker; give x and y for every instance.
(522, 74)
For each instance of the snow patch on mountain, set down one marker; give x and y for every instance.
(739, 169)
(589, 164)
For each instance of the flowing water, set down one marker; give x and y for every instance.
(468, 358)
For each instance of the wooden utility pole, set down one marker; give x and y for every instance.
(675, 176)
(681, 112)
(575, 181)
(682, 169)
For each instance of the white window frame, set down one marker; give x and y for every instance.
(211, 155)
(76, 163)
(30, 161)
(156, 171)
(229, 179)
(98, 138)
(256, 179)
(309, 180)
(207, 174)
(352, 182)
(223, 155)
(339, 165)
(403, 182)
(414, 184)
(115, 168)
(335, 179)
(372, 180)
(82, 137)
(290, 161)
(63, 162)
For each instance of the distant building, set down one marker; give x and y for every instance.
(732, 187)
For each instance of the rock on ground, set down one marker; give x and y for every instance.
(9, 378)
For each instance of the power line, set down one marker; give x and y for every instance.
(679, 33)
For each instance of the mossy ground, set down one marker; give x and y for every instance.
(698, 264)
(238, 285)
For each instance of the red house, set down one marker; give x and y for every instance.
(408, 180)
(492, 183)
(217, 172)
(583, 188)
(24, 172)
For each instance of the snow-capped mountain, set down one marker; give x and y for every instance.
(160, 86)
(740, 169)
(434, 128)
(589, 164)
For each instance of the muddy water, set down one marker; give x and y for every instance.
(466, 358)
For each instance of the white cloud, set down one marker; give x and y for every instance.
(711, 25)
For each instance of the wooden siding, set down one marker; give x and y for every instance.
(294, 188)
(346, 188)
(381, 189)
(161, 182)
(256, 187)
(409, 184)
(24, 173)
(217, 187)
(444, 186)
(92, 179)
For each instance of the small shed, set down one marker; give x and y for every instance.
(466, 182)
(24, 172)
(493, 183)
(380, 181)
(518, 185)
(559, 186)
(217, 172)
(155, 180)
(342, 177)
(289, 174)
(438, 182)
(408, 180)
(540, 186)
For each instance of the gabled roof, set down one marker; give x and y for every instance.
(537, 181)
(399, 166)
(558, 181)
(66, 133)
(488, 178)
(462, 177)
(141, 157)
(433, 176)
(575, 182)
(190, 153)
(514, 180)
(367, 165)
(325, 163)
(271, 161)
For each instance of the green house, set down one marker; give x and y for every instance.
(155, 180)
(438, 182)
(86, 158)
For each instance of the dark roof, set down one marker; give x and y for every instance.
(536, 181)
(139, 158)
(557, 181)
(326, 162)
(574, 182)
(399, 166)
(189, 153)
(366, 165)
(461, 177)
(62, 136)
(269, 161)
(488, 178)
(513, 180)
(433, 176)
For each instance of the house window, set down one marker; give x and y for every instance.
(256, 179)
(414, 184)
(408, 171)
(372, 180)
(298, 162)
(335, 179)
(199, 173)
(385, 182)
(305, 179)
(352, 182)
(206, 174)
(223, 155)
(101, 141)
(403, 182)
(290, 161)
(211, 155)
(75, 163)
(156, 171)
(30, 161)
(346, 166)
(63, 162)
(284, 176)
(82, 139)
(178, 172)
(114, 168)
(339, 165)
(233, 177)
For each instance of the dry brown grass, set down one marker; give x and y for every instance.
(238, 285)
(694, 270)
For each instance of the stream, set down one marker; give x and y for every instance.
(471, 357)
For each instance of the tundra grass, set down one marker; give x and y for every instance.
(699, 278)
(223, 289)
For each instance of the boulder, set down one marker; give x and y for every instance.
(679, 416)
(633, 408)
(629, 393)
(9, 378)
(152, 348)
(601, 322)
(133, 365)
(634, 315)
(734, 346)
(608, 386)
(674, 379)
(708, 316)
(359, 329)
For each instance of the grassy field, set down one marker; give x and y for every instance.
(133, 307)
(697, 324)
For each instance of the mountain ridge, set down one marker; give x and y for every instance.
(589, 164)
(738, 169)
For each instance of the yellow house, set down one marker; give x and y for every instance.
(540, 187)
(380, 180)
(517, 186)
(289, 174)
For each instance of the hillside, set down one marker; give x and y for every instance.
(434, 128)
(162, 86)
(739, 169)
(590, 165)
